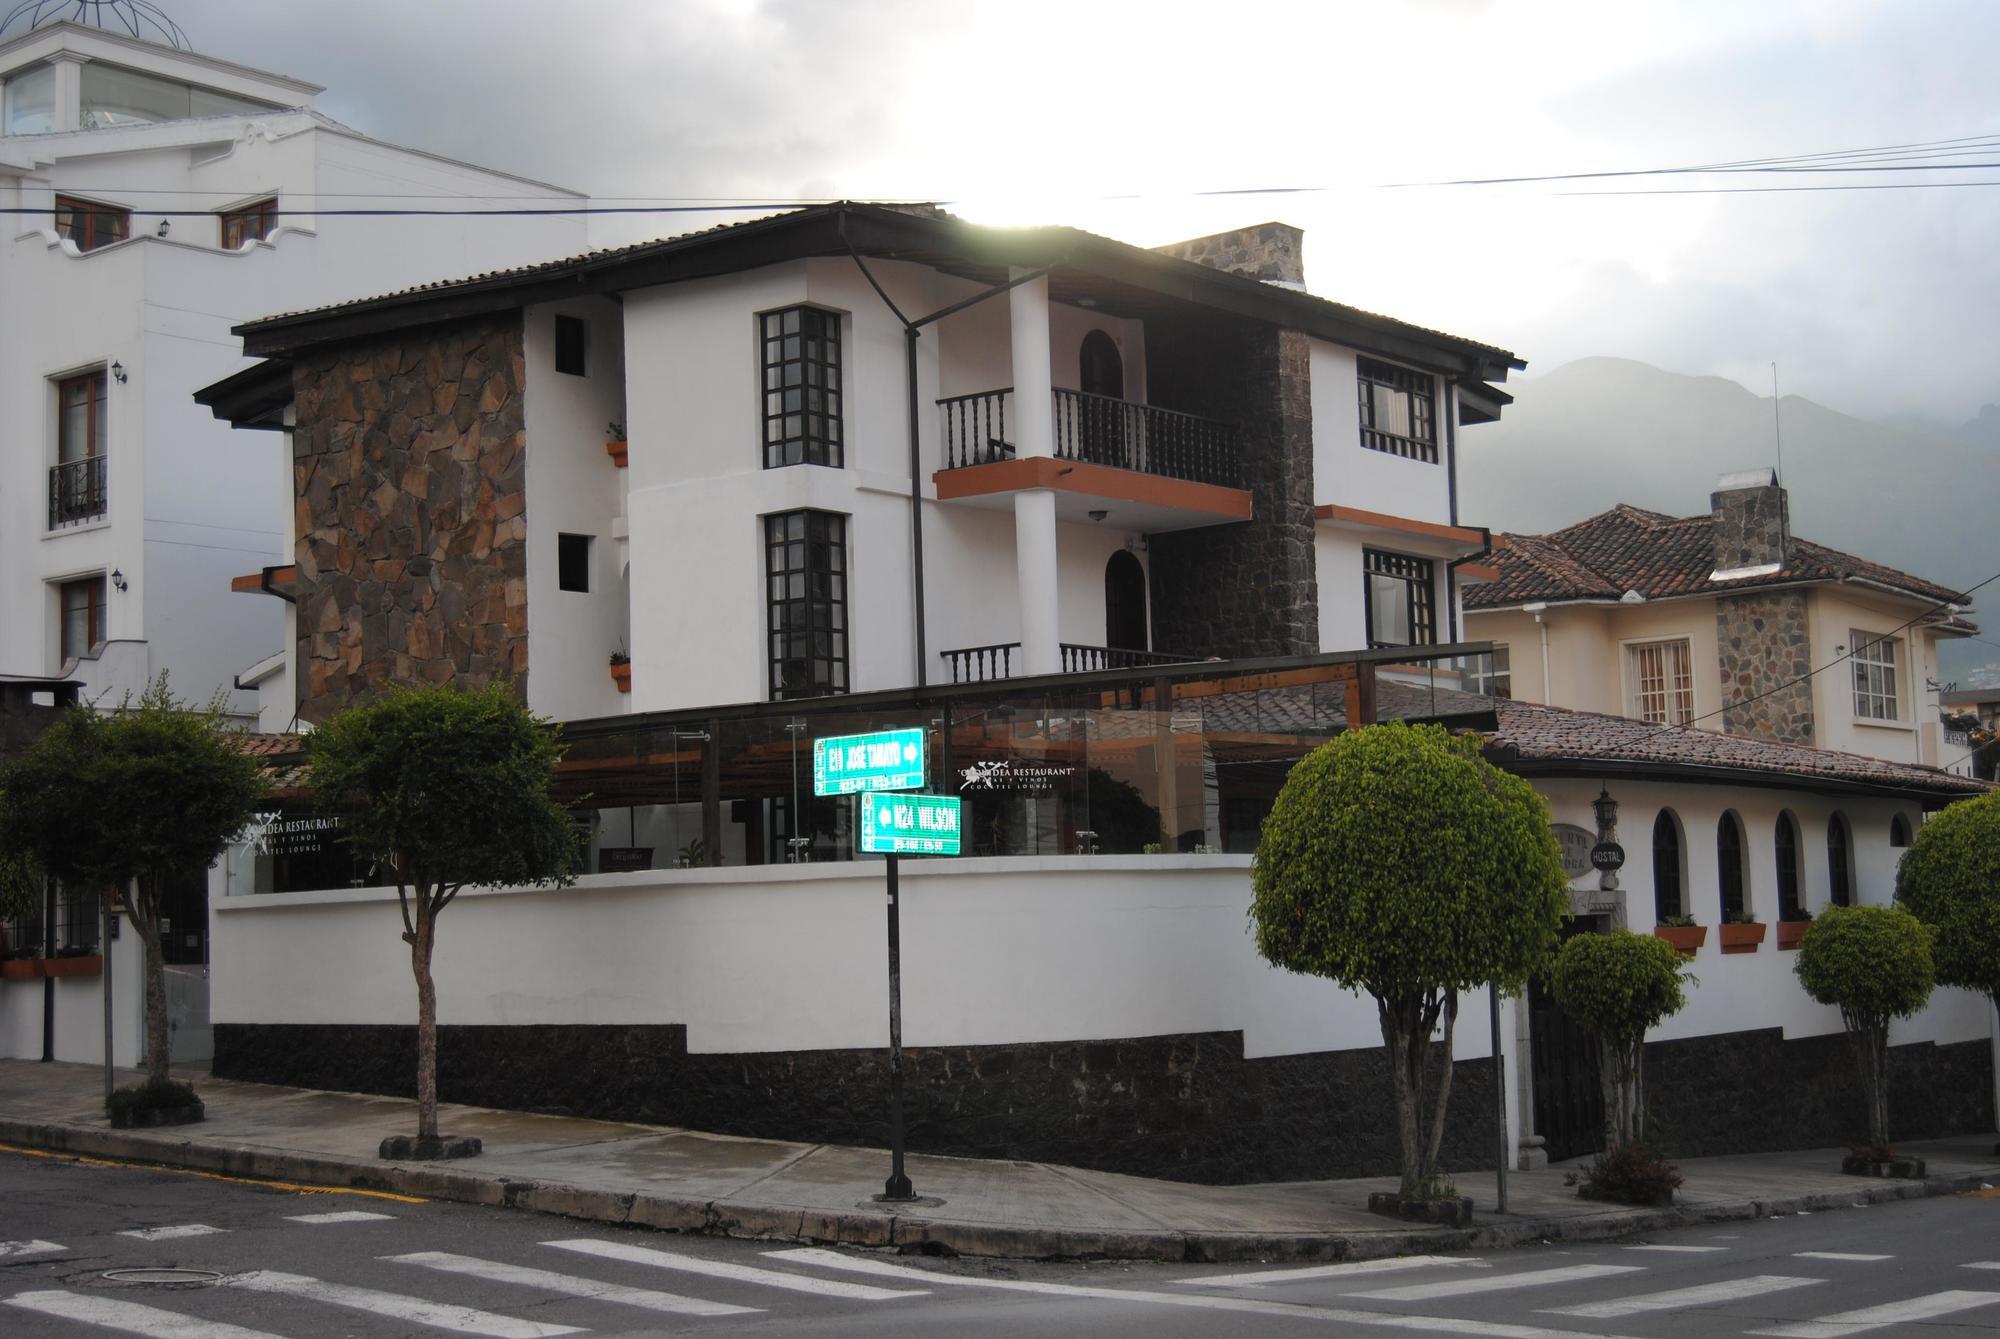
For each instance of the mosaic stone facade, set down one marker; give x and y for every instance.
(409, 471)
(1267, 251)
(1761, 643)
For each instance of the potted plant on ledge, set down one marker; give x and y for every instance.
(1682, 933)
(614, 442)
(1792, 931)
(1741, 932)
(621, 671)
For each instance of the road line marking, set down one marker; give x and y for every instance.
(15, 1250)
(770, 1278)
(341, 1216)
(111, 1314)
(173, 1233)
(292, 1187)
(1707, 1294)
(1253, 1306)
(463, 1319)
(1302, 1274)
(568, 1285)
(1976, 1264)
(1687, 1250)
(1894, 1313)
(1849, 1256)
(1534, 1278)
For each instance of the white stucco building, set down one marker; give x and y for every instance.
(156, 196)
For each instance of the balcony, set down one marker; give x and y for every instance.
(980, 664)
(77, 491)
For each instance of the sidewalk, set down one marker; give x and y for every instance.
(684, 1180)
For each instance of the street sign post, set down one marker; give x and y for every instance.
(910, 824)
(854, 764)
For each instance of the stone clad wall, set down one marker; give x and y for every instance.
(1761, 642)
(409, 472)
(1248, 589)
(1266, 251)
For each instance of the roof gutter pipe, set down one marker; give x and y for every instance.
(1538, 609)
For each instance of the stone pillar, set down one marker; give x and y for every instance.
(1035, 570)
(1752, 521)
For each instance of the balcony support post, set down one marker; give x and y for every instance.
(1034, 390)
(1035, 573)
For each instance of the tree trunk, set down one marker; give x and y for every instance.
(421, 940)
(143, 912)
(1878, 1085)
(1441, 1092)
(1396, 1030)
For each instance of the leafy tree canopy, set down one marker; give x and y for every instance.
(449, 787)
(1950, 877)
(1874, 963)
(1620, 985)
(1398, 860)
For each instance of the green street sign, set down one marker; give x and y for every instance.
(851, 764)
(909, 824)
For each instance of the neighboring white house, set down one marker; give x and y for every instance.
(156, 196)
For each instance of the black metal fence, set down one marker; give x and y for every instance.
(1097, 430)
(77, 491)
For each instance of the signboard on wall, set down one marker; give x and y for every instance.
(910, 824)
(855, 764)
(1576, 845)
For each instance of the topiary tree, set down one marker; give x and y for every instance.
(1950, 878)
(447, 789)
(1873, 964)
(1399, 862)
(1620, 985)
(131, 798)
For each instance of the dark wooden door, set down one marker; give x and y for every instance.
(1569, 1103)
(1101, 426)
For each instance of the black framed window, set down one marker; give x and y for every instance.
(1667, 865)
(1398, 596)
(1786, 840)
(802, 387)
(1899, 831)
(1729, 865)
(805, 562)
(571, 343)
(1839, 862)
(1398, 410)
(573, 562)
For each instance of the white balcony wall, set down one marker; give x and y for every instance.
(1347, 474)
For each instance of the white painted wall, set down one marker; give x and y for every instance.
(1337, 559)
(79, 1037)
(1347, 474)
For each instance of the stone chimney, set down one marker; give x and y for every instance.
(1272, 252)
(1752, 524)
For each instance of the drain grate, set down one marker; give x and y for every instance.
(168, 1278)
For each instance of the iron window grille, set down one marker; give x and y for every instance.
(1874, 676)
(251, 223)
(1786, 842)
(802, 388)
(805, 561)
(1663, 682)
(90, 225)
(1398, 595)
(1398, 410)
(1839, 862)
(1667, 883)
(1729, 866)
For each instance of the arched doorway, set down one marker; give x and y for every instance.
(1125, 603)
(1099, 368)
(1101, 373)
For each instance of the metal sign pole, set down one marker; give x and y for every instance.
(1499, 1092)
(897, 1187)
(110, 1082)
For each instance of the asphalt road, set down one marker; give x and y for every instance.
(277, 1261)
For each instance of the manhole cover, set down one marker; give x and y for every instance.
(186, 1278)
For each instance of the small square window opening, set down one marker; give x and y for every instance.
(573, 562)
(572, 342)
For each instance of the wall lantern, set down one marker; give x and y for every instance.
(118, 578)
(118, 373)
(1607, 810)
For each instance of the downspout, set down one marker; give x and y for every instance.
(1538, 610)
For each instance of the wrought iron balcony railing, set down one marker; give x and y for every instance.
(1098, 430)
(978, 664)
(77, 491)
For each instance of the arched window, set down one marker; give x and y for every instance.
(1839, 862)
(1668, 887)
(1729, 865)
(1125, 603)
(1787, 841)
(1899, 831)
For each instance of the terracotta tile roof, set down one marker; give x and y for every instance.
(283, 757)
(1628, 548)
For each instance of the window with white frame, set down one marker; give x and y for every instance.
(1874, 658)
(1492, 675)
(1663, 682)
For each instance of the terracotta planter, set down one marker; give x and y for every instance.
(616, 449)
(1685, 938)
(92, 965)
(622, 676)
(1742, 938)
(1792, 933)
(20, 969)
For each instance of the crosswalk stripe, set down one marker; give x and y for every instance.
(172, 1233)
(569, 1286)
(1875, 1317)
(770, 1278)
(1706, 1294)
(112, 1314)
(1534, 1278)
(15, 1250)
(1304, 1273)
(1249, 1306)
(340, 1216)
(1850, 1256)
(437, 1315)
(1680, 1250)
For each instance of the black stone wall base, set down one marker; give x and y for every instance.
(1755, 1092)
(1187, 1108)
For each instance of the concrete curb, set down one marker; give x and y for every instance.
(764, 1222)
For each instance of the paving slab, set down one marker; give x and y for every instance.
(689, 1180)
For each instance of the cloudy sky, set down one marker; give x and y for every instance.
(1115, 117)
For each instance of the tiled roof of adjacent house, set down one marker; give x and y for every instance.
(1628, 549)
